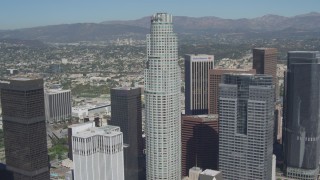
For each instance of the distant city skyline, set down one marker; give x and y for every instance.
(15, 14)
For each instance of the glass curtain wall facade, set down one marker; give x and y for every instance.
(126, 113)
(301, 130)
(163, 109)
(246, 109)
(24, 125)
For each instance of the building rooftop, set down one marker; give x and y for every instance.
(56, 91)
(210, 172)
(126, 88)
(78, 125)
(104, 131)
(242, 74)
(211, 116)
(161, 18)
(229, 69)
(21, 83)
(303, 52)
(196, 169)
(263, 48)
(22, 78)
(199, 54)
(200, 57)
(203, 117)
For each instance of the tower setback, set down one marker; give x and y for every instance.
(246, 107)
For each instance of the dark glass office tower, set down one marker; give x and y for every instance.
(301, 128)
(197, 68)
(24, 126)
(126, 113)
(246, 110)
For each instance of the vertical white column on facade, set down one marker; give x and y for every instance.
(105, 144)
(53, 106)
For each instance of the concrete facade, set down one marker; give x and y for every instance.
(58, 105)
(98, 154)
(246, 110)
(162, 97)
(197, 68)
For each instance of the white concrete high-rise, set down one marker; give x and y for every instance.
(58, 105)
(98, 154)
(163, 109)
(196, 78)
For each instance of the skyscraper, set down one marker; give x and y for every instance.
(162, 93)
(126, 113)
(98, 154)
(246, 109)
(24, 126)
(58, 105)
(74, 129)
(301, 128)
(200, 142)
(215, 78)
(265, 62)
(197, 67)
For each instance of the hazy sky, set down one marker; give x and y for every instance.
(29, 13)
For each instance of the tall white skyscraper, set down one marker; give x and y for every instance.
(162, 92)
(98, 154)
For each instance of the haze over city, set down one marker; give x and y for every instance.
(16, 14)
(150, 90)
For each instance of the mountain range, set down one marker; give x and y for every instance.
(310, 21)
(110, 30)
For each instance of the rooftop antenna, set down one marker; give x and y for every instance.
(196, 159)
